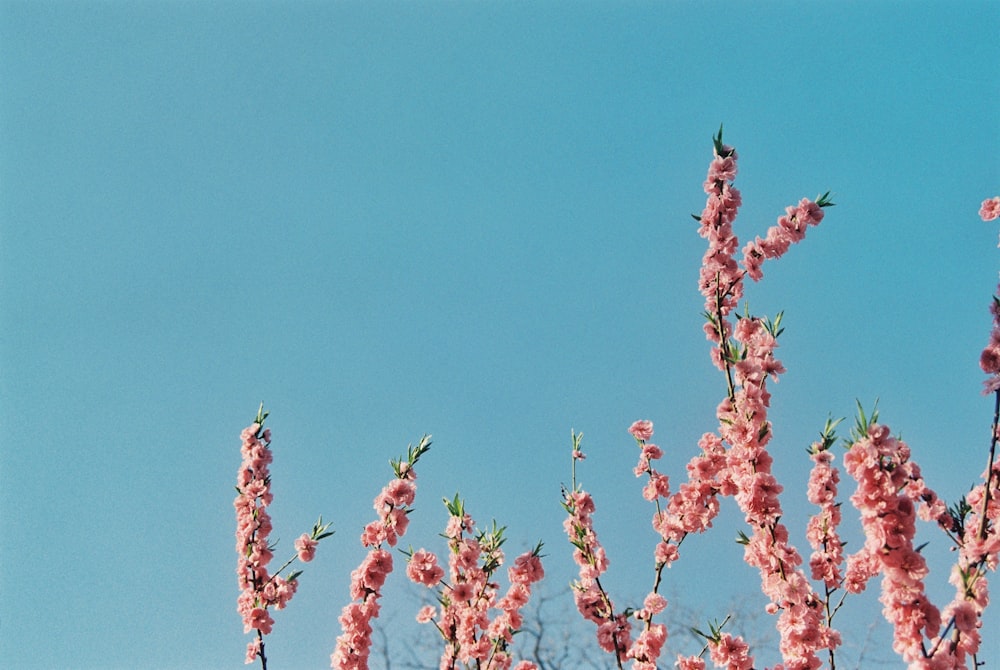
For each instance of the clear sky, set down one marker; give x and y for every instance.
(465, 219)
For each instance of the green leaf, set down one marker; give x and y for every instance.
(261, 415)
(717, 142)
(699, 633)
(828, 436)
(455, 506)
(863, 422)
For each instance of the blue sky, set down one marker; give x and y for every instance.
(464, 219)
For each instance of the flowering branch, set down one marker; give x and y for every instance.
(471, 637)
(735, 462)
(592, 601)
(392, 505)
(745, 352)
(259, 588)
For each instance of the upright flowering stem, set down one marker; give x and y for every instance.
(974, 522)
(392, 505)
(890, 491)
(592, 601)
(745, 352)
(989, 361)
(744, 426)
(734, 463)
(470, 594)
(259, 589)
(827, 560)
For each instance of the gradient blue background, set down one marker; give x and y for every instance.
(466, 219)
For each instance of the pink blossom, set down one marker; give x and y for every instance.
(399, 492)
(614, 635)
(731, 652)
(423, 568)
(654, 603)
(790, 227)
(253, 650)
(259, 619)
(658, 487)
(989, 361)
(306, 547)
(527, 569)
(647, 647)
(753, 258)
(990, 209)
(456, 526)
(722, 169)
(463, 592)
(641, 430)
(426, 614)
(809, 212)
(665, 553)
(690, 663)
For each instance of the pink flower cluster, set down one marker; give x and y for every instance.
(791, 228)
(470, 594)
(891, 495)
(592, 601)
(258, 588)
(725, 651)
(731, 652)
(828, 550)
(744, 426)
(695, 504)
(614, 630)
(889, 490)
(392, 505)
(721, 278)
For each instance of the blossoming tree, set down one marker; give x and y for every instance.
(734, 462)
(476, 622)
